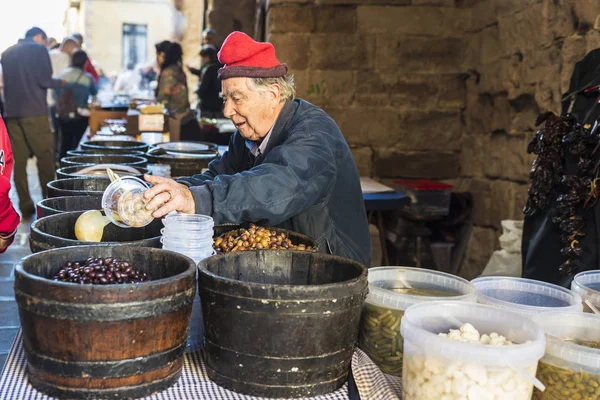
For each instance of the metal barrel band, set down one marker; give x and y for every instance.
(104, 312)
(104, 369)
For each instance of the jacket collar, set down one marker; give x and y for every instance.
(279, 129)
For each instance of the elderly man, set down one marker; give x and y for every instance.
(288, 163)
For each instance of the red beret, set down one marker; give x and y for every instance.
(242, 56)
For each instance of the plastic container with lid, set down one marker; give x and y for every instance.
(428, 198)
(391, 291)
(437, 367)
(199, 244)
(587, 285)
(188, 222)
(570, 368)
(525, 296)
(124, 204)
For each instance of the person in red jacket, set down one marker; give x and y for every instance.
(9, 219)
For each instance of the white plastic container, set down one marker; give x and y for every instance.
(525, 296)
(174, 234)
(569, 370)
(438, 367)
(198, 244)
(587, 285)
(124, 204)
(188, 222)
(380, 336)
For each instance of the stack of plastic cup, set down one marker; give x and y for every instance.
(189, 234)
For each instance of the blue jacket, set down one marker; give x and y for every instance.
(27, 75)
(81, 83)
(305, 181)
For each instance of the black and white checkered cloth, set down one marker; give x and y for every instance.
(195, 384)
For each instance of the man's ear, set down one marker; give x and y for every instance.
(274, 94)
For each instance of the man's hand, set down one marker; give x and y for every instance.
(168, 195)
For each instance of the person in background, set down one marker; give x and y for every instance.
(9, 219)
(27, 77)
(210, 103)
(53, 43)
(172, 87)
(82, 86)
(89, 67)
(209, 36)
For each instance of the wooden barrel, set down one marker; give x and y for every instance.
(83, 186)
(114, 146)
(59, 231)
(58, 205)
(105, 341)
(92, 152)
(72, 172)
(280, 323)
(132, 161)
(295, 237)
(182, 164)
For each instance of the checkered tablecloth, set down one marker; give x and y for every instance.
(194, 383)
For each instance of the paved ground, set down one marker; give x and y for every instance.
(9, 317)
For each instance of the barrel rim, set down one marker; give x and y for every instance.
(267, 286)
(135, 160)
(103, 289)
(42, 205)
(69, 175)
(129, 145)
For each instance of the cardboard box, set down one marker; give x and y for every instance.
(97, 117)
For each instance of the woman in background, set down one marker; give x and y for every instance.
(171, 89)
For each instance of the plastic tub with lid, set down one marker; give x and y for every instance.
(124, 204)
(570, 368)
(587, 285)
(391, 291)
(525, 296)
(437, 367)
(428, 198)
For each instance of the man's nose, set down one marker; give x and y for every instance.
(228, 110)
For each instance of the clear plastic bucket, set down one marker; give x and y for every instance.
(587, 285)
(570, 369)
(525, 296)
(124, 204)
(183, 222)
(438, 367)
(389, 295)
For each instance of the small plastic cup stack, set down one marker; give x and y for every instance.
(189, 234)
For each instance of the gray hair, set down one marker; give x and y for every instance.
(286, 85)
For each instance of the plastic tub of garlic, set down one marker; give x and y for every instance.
(458, 350)
(525, 296)
(570, 368)
(391, 291)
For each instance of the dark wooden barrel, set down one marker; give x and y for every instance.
(280, 323)
(184, 165)
(295, 237)
(71, 172)
(133, 161)
(84, 186)
(58, 205)
(105, 341)
(92, 152)
(114, 146)
(59, 231)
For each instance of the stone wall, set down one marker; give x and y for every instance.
(438, 89)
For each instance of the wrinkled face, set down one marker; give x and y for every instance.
(160, 58)
(253, 112)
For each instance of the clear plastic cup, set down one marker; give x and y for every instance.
(437, 367)
(391, 291)
(175, 234)
(525, 296)
(587, 285)
(188, 244)
(569, 356)
(124, 204)
(185, 222)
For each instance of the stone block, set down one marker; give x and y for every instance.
(373, 88)
(524, 30)
(292, 49)
(482, 243)
(508, 201)
(415, 91)
(408, 54)
(524, 112)
(473, 154)
(494, 77)
(592, 42)
(481, 189)
(363, 2)
(367, 126)
(452, 92)
(491, 49)
(439, 3)
(290, 18)
(483, 14)
(585, 12)
(340, 51)
(330, 88)
(418, 21)
(508, 7)
(293, 2)
(392, 163)
(363, 157)
(508, 158)
(338, 19)
(430, 131)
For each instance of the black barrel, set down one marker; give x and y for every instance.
(78, 187)
(105, 341)
(59, 231)
(58, 205)
(114, 146)
(71, 172)
(92, 152)
(133, 161)
(280, 323)
(184, 164)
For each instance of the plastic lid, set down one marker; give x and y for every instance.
(587, 285)
(526, 296)
(422, 324)
(571, 325)
(122, 201)
(196, 219)
(382, 279)
(422, 184)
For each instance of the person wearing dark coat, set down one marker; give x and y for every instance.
(210, 103)
(288, 164)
